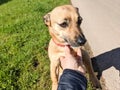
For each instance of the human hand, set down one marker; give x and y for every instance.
(72, 62)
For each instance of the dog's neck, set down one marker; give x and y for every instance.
(58, 44)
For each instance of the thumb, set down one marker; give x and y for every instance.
(79, 52)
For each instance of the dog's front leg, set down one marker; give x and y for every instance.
(88, 65)
(54, 74)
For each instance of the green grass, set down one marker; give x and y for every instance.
(24, 64)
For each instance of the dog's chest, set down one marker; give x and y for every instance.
(55, 51)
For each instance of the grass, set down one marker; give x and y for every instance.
(24, 64)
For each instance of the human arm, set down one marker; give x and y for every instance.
(73, 75)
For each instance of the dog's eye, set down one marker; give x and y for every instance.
(64, 24)
(79, 20)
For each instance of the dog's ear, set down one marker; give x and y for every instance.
(77, 9)
(46, 19)
(79, 18)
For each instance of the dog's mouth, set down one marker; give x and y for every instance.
(79, 41)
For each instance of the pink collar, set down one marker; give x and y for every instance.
(58, 44)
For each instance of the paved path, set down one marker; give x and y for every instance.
(101, 25)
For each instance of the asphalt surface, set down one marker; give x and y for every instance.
(101, 26)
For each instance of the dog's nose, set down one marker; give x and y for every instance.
(81, 40)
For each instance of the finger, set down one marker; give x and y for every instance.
(79, 53)
(82, 70)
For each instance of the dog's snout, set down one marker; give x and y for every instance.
(81, 40)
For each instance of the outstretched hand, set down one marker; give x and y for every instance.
(69, 61)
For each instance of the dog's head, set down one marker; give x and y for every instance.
(64, 25)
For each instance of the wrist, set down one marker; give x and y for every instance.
(83, 73)
(74, 71)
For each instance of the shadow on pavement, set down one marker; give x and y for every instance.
(4, 1)
(106, 60)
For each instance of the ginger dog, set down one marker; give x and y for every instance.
(64, 27)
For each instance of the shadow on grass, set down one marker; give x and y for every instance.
(107, 60)
(4, 1)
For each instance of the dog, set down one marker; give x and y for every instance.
(64, 23)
